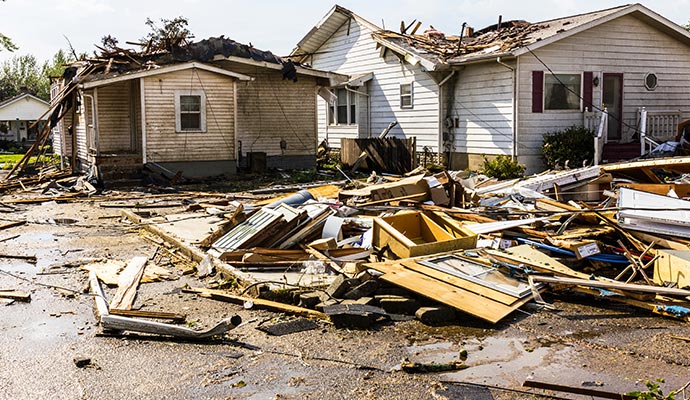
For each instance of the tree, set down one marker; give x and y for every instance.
(6, 42)
(174, 32)
(25, 73)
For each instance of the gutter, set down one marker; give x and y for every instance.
(513, 144)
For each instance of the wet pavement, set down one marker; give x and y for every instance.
(582, 343)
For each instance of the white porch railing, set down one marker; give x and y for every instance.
(600, 134)
(656, 127)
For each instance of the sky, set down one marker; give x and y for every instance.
(39, 27)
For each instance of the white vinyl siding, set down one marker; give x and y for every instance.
(484, 109)
(625, 45)
(357, 53)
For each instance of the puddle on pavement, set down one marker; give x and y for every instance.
(496, 361)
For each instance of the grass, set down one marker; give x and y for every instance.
(11, 158)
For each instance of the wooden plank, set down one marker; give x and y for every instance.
(15, 295)
(613, 285)
(258, 303)
(127, 284)
(461, 283)
(660, 241)
(456, 297)
(525, 254)
(120, 323)
(11, 225)
(149, 314)
(578, 390)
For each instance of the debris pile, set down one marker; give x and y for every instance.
(440, 247)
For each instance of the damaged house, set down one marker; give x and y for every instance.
(202, 109)
(499, 90)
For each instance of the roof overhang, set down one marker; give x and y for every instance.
(325, 28)
(163, 70)
(636, 10)
(22, 97)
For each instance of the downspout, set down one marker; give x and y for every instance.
(441, 117)
(513, 144)
(368, 108)
(142, 96)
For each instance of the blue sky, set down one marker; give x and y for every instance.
(39, 26)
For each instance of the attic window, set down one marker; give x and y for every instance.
(651, 81)
(190, 111)
(406, 95)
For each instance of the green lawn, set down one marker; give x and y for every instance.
(13, 158)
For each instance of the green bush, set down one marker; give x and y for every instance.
(502, 167)
(574, 145)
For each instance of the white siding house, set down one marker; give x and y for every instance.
(505, 87)
(343, 43)
(18, 113)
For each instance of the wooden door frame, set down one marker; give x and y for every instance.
(620, 116)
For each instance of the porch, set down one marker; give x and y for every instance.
(653, 128)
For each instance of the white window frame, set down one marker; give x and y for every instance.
(332, 109)
(656, 81)
(544, 105)
(410, 95)
(178, 111)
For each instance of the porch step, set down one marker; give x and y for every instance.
(614, 152)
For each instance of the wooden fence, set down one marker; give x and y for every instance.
(391, 155)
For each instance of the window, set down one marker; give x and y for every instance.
(562, 91)
(344, 110)
(406, 95)
(651, 81)
(190, 111)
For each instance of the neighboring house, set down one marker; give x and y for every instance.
(18, 113)
(203, 109)
(504, 87)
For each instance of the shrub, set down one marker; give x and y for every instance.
(574, 144)
(502, 167)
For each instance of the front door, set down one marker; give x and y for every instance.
(613, 101)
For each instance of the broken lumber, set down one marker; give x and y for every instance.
(630, 287)
(31, 259)
(127, 284)
(120, 323)
(578, 390)
(259, 303)
(149, 314)
(15, 295)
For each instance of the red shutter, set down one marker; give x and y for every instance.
(587, 78)
(537, 91)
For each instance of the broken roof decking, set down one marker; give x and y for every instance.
(215, 54)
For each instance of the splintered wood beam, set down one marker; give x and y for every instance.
(149, 314)
(578, 390)
(15, 295)
(119, 323)
(258, 303)
(127, 284)
(11, 225)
